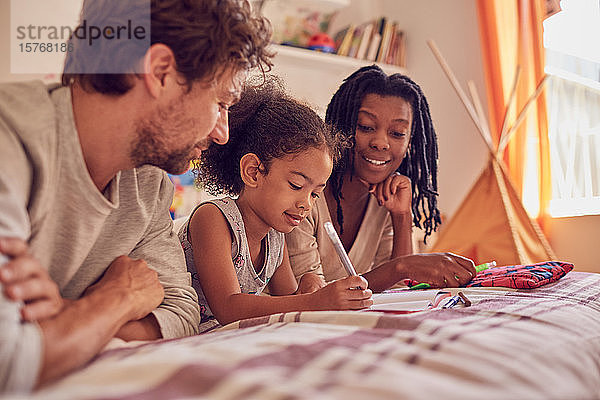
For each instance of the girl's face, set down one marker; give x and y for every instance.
(382, 136)
(288, 192)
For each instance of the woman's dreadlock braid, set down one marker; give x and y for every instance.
(420, 164)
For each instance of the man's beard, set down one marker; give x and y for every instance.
(151, 146)
(150, 150)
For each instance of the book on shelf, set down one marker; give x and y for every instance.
(355, 41)
(380, 40)
(385, 41)
(364, 41)
(346, 41)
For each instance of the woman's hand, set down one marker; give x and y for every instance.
(350, 293)
(394, 193)
(436, 269)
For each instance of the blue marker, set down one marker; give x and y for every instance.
(451, 302)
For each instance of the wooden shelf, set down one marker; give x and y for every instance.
(327, 61)
(313, 76)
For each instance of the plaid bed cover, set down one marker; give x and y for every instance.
(510, 344)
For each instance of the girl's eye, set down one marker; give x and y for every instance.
(295, 187)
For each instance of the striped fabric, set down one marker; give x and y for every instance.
(539, 343)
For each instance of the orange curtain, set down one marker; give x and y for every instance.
(511, 36)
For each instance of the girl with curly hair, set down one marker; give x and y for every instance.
(275, 165)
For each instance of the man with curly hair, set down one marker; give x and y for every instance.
(86, 245)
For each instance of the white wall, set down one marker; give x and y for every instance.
(575, 239)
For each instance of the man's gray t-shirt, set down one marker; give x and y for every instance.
(48, 199)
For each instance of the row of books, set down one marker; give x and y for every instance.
(379, 41)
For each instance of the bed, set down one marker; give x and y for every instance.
(509, 344)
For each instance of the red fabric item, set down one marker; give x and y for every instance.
(522, 276)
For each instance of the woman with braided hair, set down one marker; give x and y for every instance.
(382, 186)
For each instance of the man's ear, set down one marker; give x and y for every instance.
(250, 169)
(159, 69)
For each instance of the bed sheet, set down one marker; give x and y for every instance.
(510, 344)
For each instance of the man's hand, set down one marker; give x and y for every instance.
(26, 280)
(136, 281)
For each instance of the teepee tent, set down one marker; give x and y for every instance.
(491, 223)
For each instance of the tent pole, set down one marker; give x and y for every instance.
(513, 129)
(509, 103)
(456, 85)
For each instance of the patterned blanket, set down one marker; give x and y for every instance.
(541, 343)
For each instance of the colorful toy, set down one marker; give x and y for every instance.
(321, 42)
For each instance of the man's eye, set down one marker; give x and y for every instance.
(295, 187)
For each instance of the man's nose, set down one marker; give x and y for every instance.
(220, 133)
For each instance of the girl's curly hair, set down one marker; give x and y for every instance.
(271, 124)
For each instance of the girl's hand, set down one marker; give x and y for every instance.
(350, 293)
(394, 193)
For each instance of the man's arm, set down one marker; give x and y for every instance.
(20, 343)
(129, 290)
(178, 315)
(20, 349)
(67, 339)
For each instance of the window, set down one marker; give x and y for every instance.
(573, 63)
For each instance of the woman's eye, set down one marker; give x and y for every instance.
(398, 134)
(223, 106)
(295, 187)
(315, 195)
(365, 128)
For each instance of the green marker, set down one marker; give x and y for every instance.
(422, 285)
(484, 266)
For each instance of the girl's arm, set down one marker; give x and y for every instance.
(283, 281)
(211, 241)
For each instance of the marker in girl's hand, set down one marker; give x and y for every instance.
(339, 248)
(484, 266)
